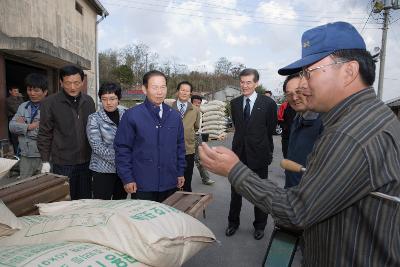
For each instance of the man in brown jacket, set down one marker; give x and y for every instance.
(62, 136)
(191, 120)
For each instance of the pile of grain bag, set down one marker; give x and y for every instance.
(214, 119)
(148, 232)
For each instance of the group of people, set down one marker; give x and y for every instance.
(347, 139)
(353, 144)
(149, 152)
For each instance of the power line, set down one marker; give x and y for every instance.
(215, 18)
(201, 3)
(366, 21)
(394, 21)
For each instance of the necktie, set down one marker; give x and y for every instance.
(247, 110)
(158, 111)
(182, 110)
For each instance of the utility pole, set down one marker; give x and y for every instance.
(378, 6)
(383, 53)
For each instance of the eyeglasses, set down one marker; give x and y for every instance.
(297, 92)
(306, 73)
(111, 99)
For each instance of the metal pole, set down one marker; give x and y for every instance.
(383, 52)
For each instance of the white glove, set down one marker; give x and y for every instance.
(45, 167)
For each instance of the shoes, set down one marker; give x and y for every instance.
(231, 230)
(208, 182)
(258, 234)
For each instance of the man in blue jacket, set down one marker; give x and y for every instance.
(149, 144)
(305, 127)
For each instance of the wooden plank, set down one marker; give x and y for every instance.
(191, 203)
(8, 197)
(30, 182)
(200, 206)
(26, 205)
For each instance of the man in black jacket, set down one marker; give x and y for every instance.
(254, 117)
(62, 132)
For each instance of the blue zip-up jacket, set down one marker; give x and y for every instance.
(148, 150)
(304, 133)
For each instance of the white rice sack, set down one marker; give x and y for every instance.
(214, 118)
(9, 223)
(214, 127)
(208, 107)
(213, 112)
(217, 102)
(214, 133)
(220, 136)
(214, 122)
(169, 101)
(54, 207)
(151, 232)
(65, 254)
(6, 165)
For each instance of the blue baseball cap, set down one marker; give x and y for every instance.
(322, 41)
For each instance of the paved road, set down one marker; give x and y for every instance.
(241, 249)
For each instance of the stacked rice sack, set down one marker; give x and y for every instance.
(101, 233)
(214, 119)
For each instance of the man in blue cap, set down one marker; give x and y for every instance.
(357, 153)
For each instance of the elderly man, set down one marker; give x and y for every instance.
(357, 153)
(149, 144)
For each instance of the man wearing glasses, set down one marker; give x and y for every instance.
(62, 132)
(305, 127)
(357, 153)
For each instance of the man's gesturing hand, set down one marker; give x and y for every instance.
(219, 160)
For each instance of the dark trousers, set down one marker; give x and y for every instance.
(260, 217)
(13, 138)
(80, 179)
(108, 186)
(285, 145)
(155, 196)
(187, 186)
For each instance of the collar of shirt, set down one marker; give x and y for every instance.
(151, 106)
(252, 98)
(161, 111)
(330, 117)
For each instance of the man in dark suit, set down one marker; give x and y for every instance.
(254, 117)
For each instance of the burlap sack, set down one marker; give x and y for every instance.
(65, 254)
(151, 232)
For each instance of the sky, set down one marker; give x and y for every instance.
(264, 35)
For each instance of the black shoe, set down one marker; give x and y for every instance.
(230, 230)
(258, 234)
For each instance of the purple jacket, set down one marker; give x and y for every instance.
(148, 150)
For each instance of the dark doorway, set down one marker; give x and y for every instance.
(16, 73)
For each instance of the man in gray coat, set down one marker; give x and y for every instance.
(25, 124)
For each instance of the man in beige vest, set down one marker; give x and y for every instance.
(191, 120)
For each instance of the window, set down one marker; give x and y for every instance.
(78, 8)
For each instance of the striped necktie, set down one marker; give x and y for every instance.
(182, 110)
